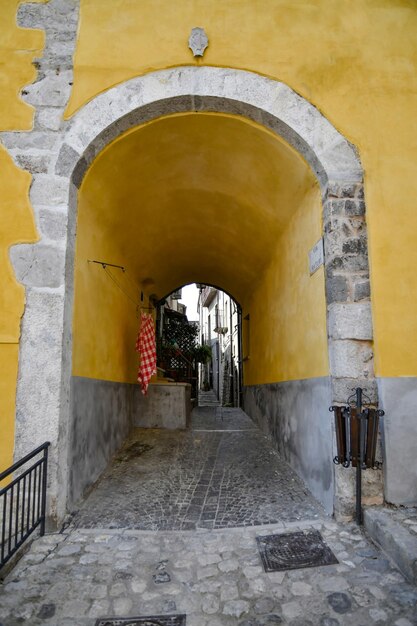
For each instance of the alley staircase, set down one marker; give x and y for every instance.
(207, 398)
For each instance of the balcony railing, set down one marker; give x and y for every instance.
(23, 502)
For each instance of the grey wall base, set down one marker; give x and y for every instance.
(164, 406)
(398, 398)
(103, 413)
(101, 421)
(296, 415)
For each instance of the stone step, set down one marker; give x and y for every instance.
(207, 398)
(391, 530)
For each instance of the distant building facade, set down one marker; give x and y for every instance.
(220, 329)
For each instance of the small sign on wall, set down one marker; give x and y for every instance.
(316, 256)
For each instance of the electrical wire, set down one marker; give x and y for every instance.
(116, 282)
(133, 282)
(138, 305)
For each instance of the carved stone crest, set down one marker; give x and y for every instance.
(198, 41)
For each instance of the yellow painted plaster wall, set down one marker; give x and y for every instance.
(355, 61)
(18, 48)
(206, 198)
(287, 337)
(105, 316)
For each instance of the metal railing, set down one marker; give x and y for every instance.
(23, 502)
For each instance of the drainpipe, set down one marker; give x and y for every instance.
(218, 367)
(232, 374)
(240, 354)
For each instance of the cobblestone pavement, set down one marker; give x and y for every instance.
(215, 577)
(221, 418)
(224, 473)
(201, 482)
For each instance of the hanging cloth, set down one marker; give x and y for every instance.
(145, 346)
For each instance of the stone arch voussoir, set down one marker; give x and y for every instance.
(268, 102)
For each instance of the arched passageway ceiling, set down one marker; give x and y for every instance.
(198, 196)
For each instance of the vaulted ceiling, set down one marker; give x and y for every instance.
(192, 197)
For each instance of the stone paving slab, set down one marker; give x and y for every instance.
(214, 576)
(182, 480)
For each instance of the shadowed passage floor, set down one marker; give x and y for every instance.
(221, 473)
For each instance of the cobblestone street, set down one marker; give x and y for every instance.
(222, 473)
(191, 488)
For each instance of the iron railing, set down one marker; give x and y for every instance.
(23, 502)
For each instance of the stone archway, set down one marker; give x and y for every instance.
(48, 318)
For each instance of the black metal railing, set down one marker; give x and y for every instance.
(23, 502)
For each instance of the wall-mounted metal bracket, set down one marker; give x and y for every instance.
(356, 437)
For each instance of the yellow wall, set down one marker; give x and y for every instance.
(18, 48)
(356, 61)
(287, 336)
(105, 317)
(190, 197)
(9, 354)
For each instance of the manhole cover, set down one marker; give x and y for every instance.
(294, 551)
(151, 620)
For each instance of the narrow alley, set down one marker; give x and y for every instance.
(175, 533)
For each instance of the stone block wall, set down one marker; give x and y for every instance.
(349, 322)
(42, 393)
(348, 291)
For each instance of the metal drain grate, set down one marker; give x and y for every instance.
(294, 551)
(151, 620)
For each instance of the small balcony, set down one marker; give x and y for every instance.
(207, 295)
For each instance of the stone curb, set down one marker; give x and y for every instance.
(398, 542)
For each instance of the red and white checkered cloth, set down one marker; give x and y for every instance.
(145, 346)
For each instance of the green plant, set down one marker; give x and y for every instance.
(202, 354)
